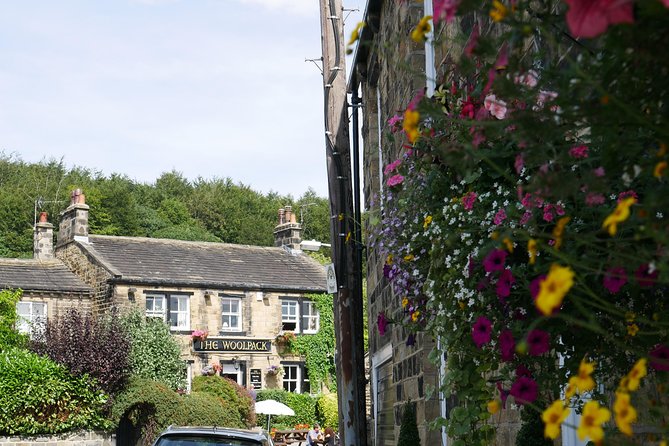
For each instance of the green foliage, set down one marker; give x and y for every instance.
(154, 354)
(9, 337)
(531, 432)
(318, 349)
(408, 429)
(152, 406)
(38, 396)
(238, 398)
(303, 404)
(327, 411)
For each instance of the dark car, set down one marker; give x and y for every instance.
(206, 436)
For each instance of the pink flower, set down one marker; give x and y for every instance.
(444, 9)
(614, 279)
(524, 390)
(382, 323)
(525, 218)
(519, 163)
(495, 106)
(599, 172)
(395, 180)
(392, 166)
(593, 199)
(468, 200)
(495, 260)
(473, 40)
(529, 79)
(416, 99)
(500, 64)
(504, 284)
(545, 96)
(507, 345)
(500, 216)
(481, 331)
(644, 277)
(589, 18)
(579, 152)
(627, 194)
(393, 123)
(539, 342)
(478, 139)
(659, 357)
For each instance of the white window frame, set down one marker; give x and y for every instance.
(310, 316)
(166, 313)
(297, 380)
(231, 314)
(290, 319)
(161, 314)
(33, 323)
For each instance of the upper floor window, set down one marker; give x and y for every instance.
(31, 318)
(300, 316)
(171, 308)
(231, 310)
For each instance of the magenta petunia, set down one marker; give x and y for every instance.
(507, 345)
(392, 166)
(444, 10)
(522, 370)
(659, 357)
(644, 277)
(590, 18)
(579, 152)
(395, 180)
(504, 284)
(481, 331)
(382, 323)
(471, 44)
(524, 390)
(614, 279)
(495, 260)
(538, 342)
(500, 216)
(468, 200)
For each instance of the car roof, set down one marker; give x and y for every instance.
(246, 434)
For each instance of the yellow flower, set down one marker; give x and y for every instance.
(558, 230)
(494, 406)
(414, 315)
(423, 27)
(663, 443)
(592, 419)
(571, 388)
(405, 302)
(663, 150)
(583, 381)
(660, 167)
(494, 235)
(355, 34)
(532, 250)
(427, 221)
(619, 215)
(553, 288)
(553, 417)
(508, 244)
(408, 258)
(633, 379)
(630, 316)
(340, 217)
(632, 330)
(389, 259)
(625, 413)
(348, 236)
(498, 11)
(410, 124)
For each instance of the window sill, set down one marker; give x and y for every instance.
(232, 333)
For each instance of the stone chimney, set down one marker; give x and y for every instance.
(288, 232)
(74, 220)
(43, 239)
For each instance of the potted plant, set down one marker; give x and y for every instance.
(285, 342)
(274, 370)
(199, 335)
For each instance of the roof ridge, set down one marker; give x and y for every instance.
(175, 241)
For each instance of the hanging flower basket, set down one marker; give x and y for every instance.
(274, 370)
(199, 335)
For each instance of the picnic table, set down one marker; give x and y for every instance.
(297, 437)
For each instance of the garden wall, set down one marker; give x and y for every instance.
(83, 438)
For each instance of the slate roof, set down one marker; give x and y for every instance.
(40, 276)
(166, 262)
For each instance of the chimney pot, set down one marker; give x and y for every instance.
(281, 216)
(43, 217)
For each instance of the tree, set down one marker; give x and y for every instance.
(408, 429)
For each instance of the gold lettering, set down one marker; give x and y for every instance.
(207, 345)
(226, 345)
(239, 345)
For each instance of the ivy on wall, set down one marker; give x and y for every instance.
(319, 349)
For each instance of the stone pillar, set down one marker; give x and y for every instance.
(43, 239)
(288, 232)
(74, 220)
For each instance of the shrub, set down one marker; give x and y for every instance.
(154, 354)
(8, 335)
(408, 429)
(151, 406)
(327, 410)
(237, 397)
(304, 406)
(85, 344)
(38, 396)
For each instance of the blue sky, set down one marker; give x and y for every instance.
(210, 88)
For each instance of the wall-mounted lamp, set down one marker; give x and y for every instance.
(131, 293)
(235, 363)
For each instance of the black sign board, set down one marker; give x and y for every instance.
(256, 378)
(232, 345)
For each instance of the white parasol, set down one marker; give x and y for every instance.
(273, 407)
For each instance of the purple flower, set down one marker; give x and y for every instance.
(525, 218)
(659, 357)
(481, 331)
(382, 323)
(507, 345)
(395, 180)
(614, 279)
(411, 339)
(468, 200)
(504, 283)
(539, 342)
(522, 370)
(494, 261)
(524, 390)
(500, 216)
(644, 277)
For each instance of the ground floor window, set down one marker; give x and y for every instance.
(31, 318)
(295, 378)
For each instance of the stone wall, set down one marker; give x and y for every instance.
(83, 438)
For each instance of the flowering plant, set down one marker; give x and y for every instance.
(275, 370)
(524, 216)
(199, 335)
(286, 341)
